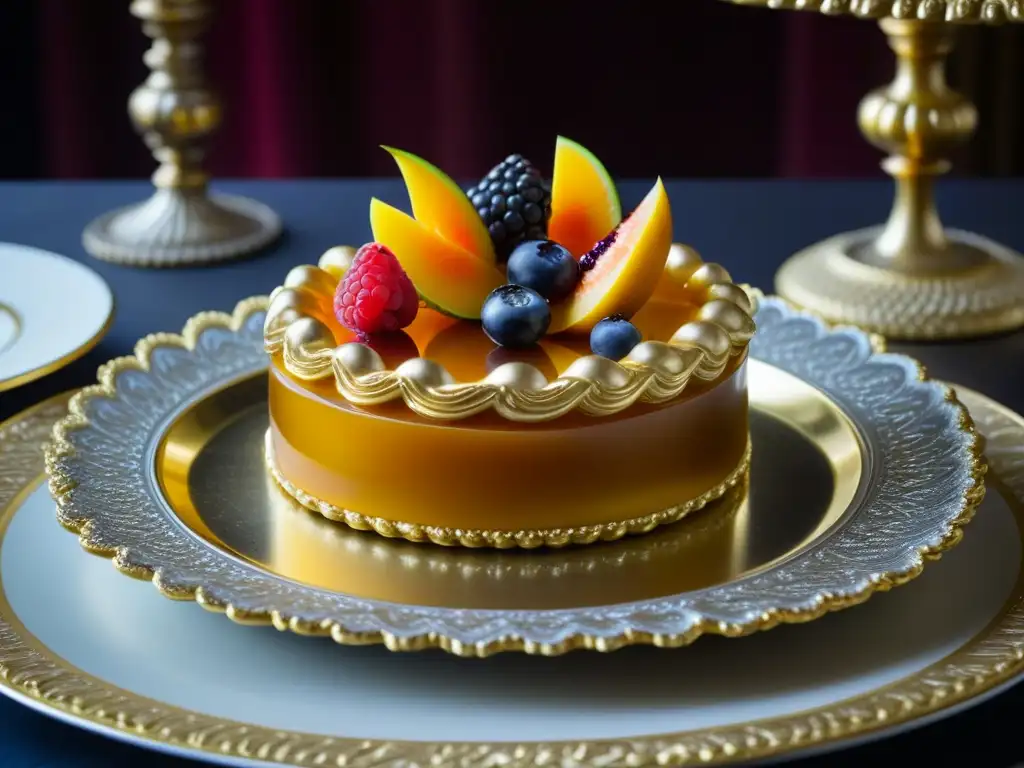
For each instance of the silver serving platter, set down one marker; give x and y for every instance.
(918, 467)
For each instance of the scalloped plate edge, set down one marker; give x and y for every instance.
(61, 484)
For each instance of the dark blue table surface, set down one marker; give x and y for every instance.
(749, 226)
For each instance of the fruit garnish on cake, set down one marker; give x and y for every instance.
(584, 201)
(517, 283)
(524, 257)
(514, 201)
(375, 295)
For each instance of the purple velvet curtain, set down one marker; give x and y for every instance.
(678, 88)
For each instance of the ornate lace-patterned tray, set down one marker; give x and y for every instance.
(902, 474)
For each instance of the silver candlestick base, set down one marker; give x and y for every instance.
(176, 112)
(182, 227)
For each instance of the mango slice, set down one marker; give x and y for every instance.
(447, 277)
(440, 205)
(584, 202)
(625, 275)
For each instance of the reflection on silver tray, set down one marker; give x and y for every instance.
(209, 467)
(898, 474)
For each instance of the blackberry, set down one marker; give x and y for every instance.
(514, 201)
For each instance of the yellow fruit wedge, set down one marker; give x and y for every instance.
(584, 202)
(447, 277)
(440, 205)
(625, 275)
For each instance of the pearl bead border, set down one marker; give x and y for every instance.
(297, 329)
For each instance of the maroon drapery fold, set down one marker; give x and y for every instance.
(684, 88)
(825, 75)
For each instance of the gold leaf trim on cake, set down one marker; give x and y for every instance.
(526, 539)
(492, 566)
(298, 329)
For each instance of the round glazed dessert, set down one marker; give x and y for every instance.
(618, 405)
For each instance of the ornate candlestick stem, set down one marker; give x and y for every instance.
(176, 113)
(911, 278)
(917, 119)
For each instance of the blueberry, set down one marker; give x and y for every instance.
(515, 317)
(545, 267)
(614, 337)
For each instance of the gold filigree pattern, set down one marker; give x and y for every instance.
(950, 11)
(30, 669)
(497, 539)
(298, 329)
(21, 440)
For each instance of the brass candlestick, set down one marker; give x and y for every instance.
(176, 112)
(911, 278)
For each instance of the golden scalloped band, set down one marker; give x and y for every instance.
(496, 539)
(298, 328)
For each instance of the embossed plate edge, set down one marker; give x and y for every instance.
(30, 670)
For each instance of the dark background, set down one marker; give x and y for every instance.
(681, 88)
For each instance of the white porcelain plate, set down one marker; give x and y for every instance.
(52, 311)
(80, 641)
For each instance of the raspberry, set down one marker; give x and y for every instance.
(375, 295)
